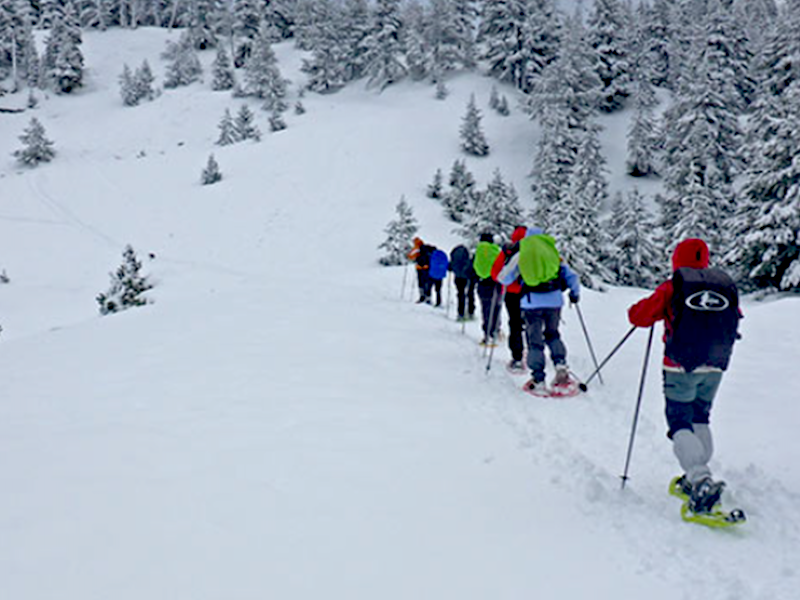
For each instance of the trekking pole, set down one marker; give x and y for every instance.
(405, 276)
(585, 385)
(638, 404)
(499, 306)
(589, 343)
(449, 285)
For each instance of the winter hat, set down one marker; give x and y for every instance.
(417, 242)
(487, 237)
(692, 252)
(534, 231)
(518, 234)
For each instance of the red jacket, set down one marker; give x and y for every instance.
(692, 253)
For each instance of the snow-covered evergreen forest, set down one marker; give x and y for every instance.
(714, 86)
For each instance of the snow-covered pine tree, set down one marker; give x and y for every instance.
(727, 53)
(574, 221)
(555, 156)
(127, 87)
(399, 235)
(436, 187)
(608, 24)
(643, 135)
(327, 66)
(127, 286)
(276, 122)
(299, 108)
(569, 85)
(356, 21)
(383, 47)
(494, 209)
(63, 66)
(501, 28)
(541, 40)
(473, 141)
(222, 77)
(37, 147)
(461, 190)
(245, 126)
(211, 173)
(262, 77)
(636, 254)
(185, 67)
(418, 52)
(143, 80)
(4, 277)
(441, 90)
(448, 36)
(702, 155)
(654, 30)
(228, 134)
(765, 228)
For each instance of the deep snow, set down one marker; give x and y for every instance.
(280, 423)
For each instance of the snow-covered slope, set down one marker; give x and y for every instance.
(280, 423)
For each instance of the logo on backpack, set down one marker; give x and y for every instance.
(707, 300)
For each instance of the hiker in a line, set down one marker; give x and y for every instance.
(700, 309)
(465, 280)
(544, 278)
(489, 291)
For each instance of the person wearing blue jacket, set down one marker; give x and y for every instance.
(541, 300)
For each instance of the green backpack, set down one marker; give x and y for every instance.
(539, 261)
(485, 255)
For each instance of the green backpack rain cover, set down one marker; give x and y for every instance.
(539, 260)
(485, 255)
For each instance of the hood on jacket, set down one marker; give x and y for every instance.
(692, 252)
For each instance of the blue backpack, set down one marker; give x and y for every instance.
(439, 263)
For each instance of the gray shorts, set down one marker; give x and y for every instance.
(689, 398)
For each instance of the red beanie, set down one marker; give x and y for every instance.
(692, 253)
(518, 234)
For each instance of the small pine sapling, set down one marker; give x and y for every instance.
(4, 277)
(228, 133)
(127, 286)
(244, 125)
(502, 107)
(222, 72)
(472, 139)
(441, 90)
(494, 98)
(127, 87)
(211, 174)
(37, 147)
(299, 108)
(435, 188)
(143, 79)
(276, 122)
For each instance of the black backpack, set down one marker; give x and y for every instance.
(705, 305)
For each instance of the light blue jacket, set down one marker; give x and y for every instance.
(533, 300)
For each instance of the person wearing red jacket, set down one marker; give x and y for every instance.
(689, 389)
(512, 300)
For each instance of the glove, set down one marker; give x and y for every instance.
(573, 298)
